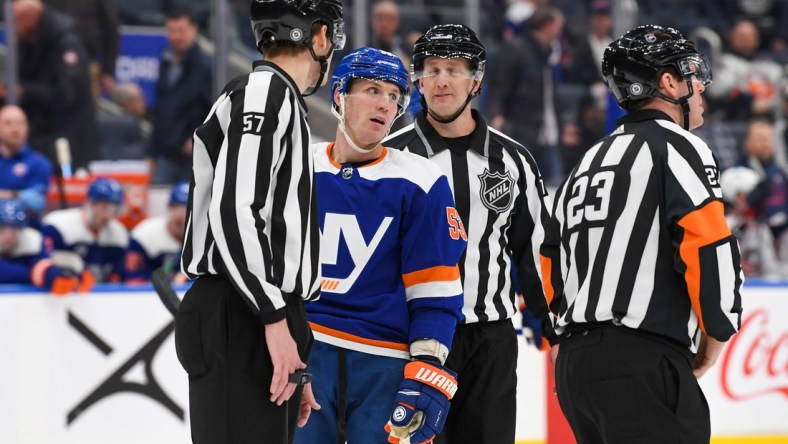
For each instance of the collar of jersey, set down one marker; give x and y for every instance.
(641, 115)
(436, 144)
(338, 166)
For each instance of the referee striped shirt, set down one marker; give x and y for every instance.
(500, 197)
(638, 237)
(252, 210)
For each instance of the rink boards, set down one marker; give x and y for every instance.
(101, 367)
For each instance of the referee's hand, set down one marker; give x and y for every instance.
(284, 356)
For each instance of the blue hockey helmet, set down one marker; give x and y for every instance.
(11, 213)
(104, 189)
(372, 64)
(180, 193)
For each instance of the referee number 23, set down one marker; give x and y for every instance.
(456, 228)
(590, 198)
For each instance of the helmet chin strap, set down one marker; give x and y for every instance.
(323, 60)
(454, 116)
(682, 101)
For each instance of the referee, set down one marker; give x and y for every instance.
(251, 238)
(500, 197)
(645, 273)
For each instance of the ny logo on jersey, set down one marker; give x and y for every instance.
(337, 226)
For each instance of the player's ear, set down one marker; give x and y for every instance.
(320, 40)
(336, 99)
(669, 84)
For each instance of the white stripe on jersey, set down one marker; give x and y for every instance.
(681, 168)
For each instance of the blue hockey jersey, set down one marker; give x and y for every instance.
(390, 243)
(18, 266)
(103, 252)
(150, 247)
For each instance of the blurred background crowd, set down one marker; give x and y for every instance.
(101, 97)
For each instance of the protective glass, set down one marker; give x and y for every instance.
(453, 72)
(338, 34)
(698, 66)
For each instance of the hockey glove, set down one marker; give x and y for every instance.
(422, 403)
(532, 329)
(60, 281)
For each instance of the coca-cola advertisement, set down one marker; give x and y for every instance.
(747, 390)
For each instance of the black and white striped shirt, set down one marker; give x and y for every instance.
(500, 197)
(252, 213)
(638, 236)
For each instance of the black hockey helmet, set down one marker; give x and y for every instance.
(292, 20)
(631, 64)
(449, 42)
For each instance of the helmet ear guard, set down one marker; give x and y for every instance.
(631, 64)
(292, 21)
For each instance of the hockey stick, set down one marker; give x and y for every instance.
(161, 283)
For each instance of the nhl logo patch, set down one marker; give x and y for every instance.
(496, 190)
(347, 173)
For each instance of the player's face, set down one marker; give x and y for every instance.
(446, 83)
(101, 213)
(370, 109)
(9, 237)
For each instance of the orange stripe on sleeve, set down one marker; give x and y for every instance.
(353, 338)
(547, 270)
(702, 227)
(433, 274)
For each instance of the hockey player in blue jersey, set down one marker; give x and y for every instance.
(158, 241)
(391, 290)
(92, 231)
(23, 258)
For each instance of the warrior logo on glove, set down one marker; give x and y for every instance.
(422, 403)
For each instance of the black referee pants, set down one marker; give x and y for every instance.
(221, 344)
(619, 386)
(484, 409)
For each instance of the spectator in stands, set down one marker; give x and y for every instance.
(587, 51)
(92, 231)
(769, 16)
(54, 82)
(130, 98)
(97, 26)
(158, 241)
(184, 97)
(125, 135)
(24, 174)
(756, 243)
(769, 199)
(746, 81)
(522, 97)
(23, 258)
(385, 30)
(517, 14)
(589, 126)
